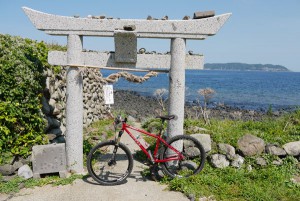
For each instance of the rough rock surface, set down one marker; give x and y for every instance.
(292, 148)
(219, 161)
(205, 141)
(237, 161)
(227, 149)
(275, 150)
(250, 145)
(25, 172)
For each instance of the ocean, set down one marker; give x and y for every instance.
(256, 90)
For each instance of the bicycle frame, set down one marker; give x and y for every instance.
(154, 158)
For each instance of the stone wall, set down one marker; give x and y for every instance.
(54, 101)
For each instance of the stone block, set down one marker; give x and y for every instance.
(126, 47)
(203, 14)
(49, 158)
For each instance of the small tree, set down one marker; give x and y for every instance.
(207, 94)
(161, 97)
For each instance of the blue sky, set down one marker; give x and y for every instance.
(259, 31)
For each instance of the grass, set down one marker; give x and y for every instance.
(14, 185)
(269, 183)
(281, 130)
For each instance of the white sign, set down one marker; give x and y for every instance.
(108, 94)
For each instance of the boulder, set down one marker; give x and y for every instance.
(226, 149)
(25, 172)
(56, 111)
(131, 118)
(59, 139)
(55, 123)
(275, 150)
(205, 141)
(237, 161)
(277, 162)
(192, 151)
(292, 148)
(250, 145)
(6, 169)
(52, 102)
(51, 136)
(17, 165)
(219, 161)
(54, 96)
(261, 161)
(55, 131)
(296, 179)
(45, 106)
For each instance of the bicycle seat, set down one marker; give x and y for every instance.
(168, 117)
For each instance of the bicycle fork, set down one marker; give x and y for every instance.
(112, 161)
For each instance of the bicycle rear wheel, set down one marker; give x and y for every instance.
(193, 157)
(109, 164)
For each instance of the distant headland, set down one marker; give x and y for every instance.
(245, 67)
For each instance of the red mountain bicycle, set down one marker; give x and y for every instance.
(111, 162)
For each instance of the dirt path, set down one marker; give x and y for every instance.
(136, 188)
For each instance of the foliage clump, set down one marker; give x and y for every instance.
(22, 64)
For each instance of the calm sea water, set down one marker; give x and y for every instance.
(244, 89)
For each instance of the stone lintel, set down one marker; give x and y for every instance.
(191, 29)
(146, 61)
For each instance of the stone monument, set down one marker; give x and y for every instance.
(125, 33)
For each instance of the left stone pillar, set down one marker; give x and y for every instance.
(74, 107)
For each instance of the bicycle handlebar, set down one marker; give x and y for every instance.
(118, 120)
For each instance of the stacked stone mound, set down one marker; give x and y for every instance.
(93, 97)
(252, 146)
(224, 155)
(54, 101)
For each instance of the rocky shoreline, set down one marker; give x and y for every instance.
(141, 107)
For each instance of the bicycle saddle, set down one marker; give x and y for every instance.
(168, 117)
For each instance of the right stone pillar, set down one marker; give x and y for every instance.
(177, 86)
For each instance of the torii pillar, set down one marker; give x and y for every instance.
(177, 86)
(74, 106)
(125, 33)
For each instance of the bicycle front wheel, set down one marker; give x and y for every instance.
(109, 164)
(193, 157)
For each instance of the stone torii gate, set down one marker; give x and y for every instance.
(125, 33)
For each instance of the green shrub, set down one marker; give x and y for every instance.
(22, 63)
